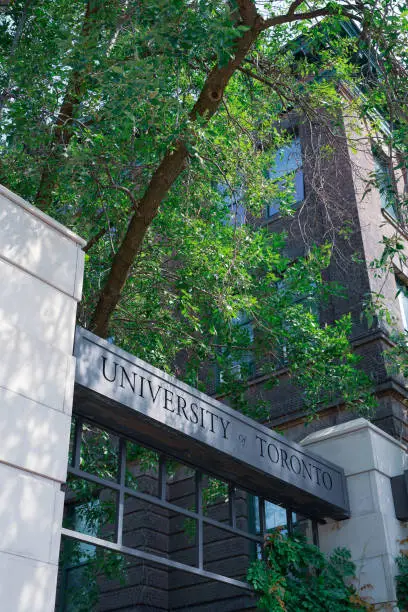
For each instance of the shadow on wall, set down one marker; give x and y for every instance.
(40, 266)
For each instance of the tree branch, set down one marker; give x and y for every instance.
(290, 16)
(175, 158)
(257, 77)
(92, 241)
(294, 6)
(167, 172)
(122, 188)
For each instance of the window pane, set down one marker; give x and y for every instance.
(288, 160)
(227, 553)
(275, 516)
(180, 488)
(273, 208)
(142, 468)
(233, 201)
(384, 183)
(99, 452)
(403, 300)
(299, 186)
(303, 526)
(90, 509)
(215, 495)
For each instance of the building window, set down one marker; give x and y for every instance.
(201, 523)
(384, 183)
(278, 518)
(403, 301)
(233, 199)
(275, 517)
(245, 363)
(287, 172)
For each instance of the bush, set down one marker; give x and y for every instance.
(402, 582)
(295, 576)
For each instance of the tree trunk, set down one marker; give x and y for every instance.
(168, 171)
(175, 158)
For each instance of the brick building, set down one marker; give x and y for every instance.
(334, 193)
(167, 511)
(327, 201)
(332, 204)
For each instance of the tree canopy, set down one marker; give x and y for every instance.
(148, 127)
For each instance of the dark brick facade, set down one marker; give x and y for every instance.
(336, 197)
(151, 588)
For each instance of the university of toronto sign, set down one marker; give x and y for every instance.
(131, 396)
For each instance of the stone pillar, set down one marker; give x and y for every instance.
(41, 269)
(370, 457)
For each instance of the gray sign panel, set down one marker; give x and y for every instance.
(130, 395)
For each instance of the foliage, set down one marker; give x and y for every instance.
(82, 565)
(296, 576)
(402, 582)
(88, 131)
(91, 509)
(97, 100)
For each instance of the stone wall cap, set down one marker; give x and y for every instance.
(41, 215)
(337, 431)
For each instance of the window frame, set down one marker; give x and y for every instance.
(296, 175)
(253, 535)
(402, 295)
(385, 184)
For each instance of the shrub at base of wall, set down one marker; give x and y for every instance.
(295, 576)
(402, 582)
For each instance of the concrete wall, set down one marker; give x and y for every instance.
(41, 267)
(370, 458)
(375, 222)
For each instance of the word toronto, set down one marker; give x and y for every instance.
(191, 412)
(291, 462)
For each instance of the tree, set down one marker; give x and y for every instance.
(126, 120)
(150, 127)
